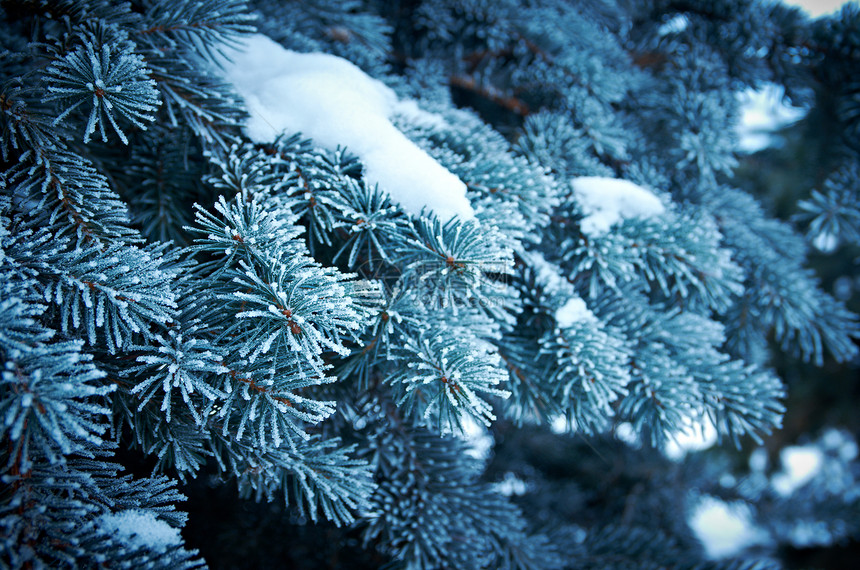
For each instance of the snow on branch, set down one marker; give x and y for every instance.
(573, 311)
(574, 308)
(607, 201)
(140, 529)
(336, 104)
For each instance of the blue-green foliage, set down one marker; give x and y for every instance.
(260, 313)
(51, 407)
(428, 478)
(444, 381)
(834, 213)
(59, 515)
(106, 79)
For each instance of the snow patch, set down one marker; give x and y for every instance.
(511, 485)
(607, 201)
(825, 242)
(409, 111)
(675, 25)
(547, 273)
(697, 435)
(799, 465)
(724, 529)
(627, 433)
(139, 529)
(764, 111)
(479, 442)
(560, 424)
(573, 311)
(336, 104)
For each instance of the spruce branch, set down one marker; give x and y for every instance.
(109, 78)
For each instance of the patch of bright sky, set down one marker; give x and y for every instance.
(726, 529)
(697, 436)
(335, 103)
(799, 465)
(763, 111)
(817, 8)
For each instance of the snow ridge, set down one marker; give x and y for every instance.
(335, 103)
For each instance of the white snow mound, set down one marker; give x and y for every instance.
(607, 201)
(138, 528)
(800, 463)
(573, 311)
(335, 103)
(724, 529)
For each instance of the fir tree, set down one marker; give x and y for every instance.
(298, 259)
